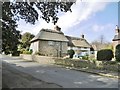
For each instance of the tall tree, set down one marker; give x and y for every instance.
(26, 37)
(10, 36)
(48, 8)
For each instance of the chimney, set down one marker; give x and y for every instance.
(117, 30)
(57, 28)
(82, 36)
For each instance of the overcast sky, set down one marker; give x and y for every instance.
(92, 19)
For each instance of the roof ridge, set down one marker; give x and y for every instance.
(52, 31)
(72, 37)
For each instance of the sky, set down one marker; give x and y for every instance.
(92, 19)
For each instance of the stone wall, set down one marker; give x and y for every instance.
(53, 50)
(115, 43)
(35, 46)
(40, 59)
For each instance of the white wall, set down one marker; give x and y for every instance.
(35, 46)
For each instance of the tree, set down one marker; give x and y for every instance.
(12, 12)
(117, 53)
(48, 8)
(26, 37)
(10, 36)
(102, 39)
(101, 43)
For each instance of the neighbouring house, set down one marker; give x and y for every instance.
(50, 42)
(79, 45)
(116, 39)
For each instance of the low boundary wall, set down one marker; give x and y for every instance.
(40, 59)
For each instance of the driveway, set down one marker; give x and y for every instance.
(61, 76)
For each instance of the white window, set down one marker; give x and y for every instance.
(51, 43)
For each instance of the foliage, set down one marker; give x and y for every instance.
(89, 65)
(48, 9)
(16, 53)
(21, 50)
(105, 55)
(117, 53)
(10, 36)
(27, 52)
(31, 51)
(85, 57)
(26, 37)
(71, 52)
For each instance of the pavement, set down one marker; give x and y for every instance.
(13, 78)
(65, 77)
(110, 74)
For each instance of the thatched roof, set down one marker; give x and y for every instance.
(48, 34)
(77, 42)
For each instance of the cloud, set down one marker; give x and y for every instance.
(99, 28)
(81, 11)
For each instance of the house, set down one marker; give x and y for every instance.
(55, 43)
(50, 42)
(79, 45)
(116, 39)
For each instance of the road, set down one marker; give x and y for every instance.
(60, 76)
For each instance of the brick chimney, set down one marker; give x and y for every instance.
(57, 28)
(82, 36)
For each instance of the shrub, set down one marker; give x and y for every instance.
(71, 53)
(105, 55)
(15, 53)
(22, 50)
(26, 52)
(31, 51)
(117, 53)
(85, 57)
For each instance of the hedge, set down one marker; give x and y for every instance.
(117, 53)
(105, 55)
(71, 52)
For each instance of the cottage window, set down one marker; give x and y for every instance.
(51, 43)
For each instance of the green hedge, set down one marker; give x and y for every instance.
(105, 55)
(71, 52)
(117, 53)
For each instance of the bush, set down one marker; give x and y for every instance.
(15, 53)
(22, 50)
(117, 53)
(84, 57)
(105, 55)
(31, 51)
(26, 52)
(71, 53)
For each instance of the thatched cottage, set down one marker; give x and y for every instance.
(50, 42)
(55, 43)
(79, 45)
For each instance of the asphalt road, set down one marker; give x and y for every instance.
(60, 76)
